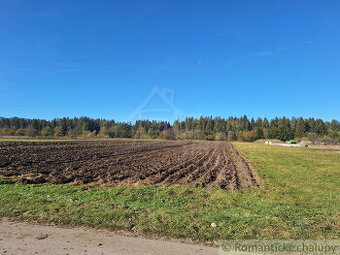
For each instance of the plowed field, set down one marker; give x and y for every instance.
(204, 164)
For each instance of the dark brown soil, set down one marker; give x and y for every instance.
(204, 164)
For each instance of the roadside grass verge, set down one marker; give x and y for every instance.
(300, 199)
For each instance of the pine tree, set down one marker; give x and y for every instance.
(259, 132)
(284, 131)
(252, 124)
(320, 127)
(63, 126)
(300, 128)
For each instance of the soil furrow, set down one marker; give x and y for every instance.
(206, 164)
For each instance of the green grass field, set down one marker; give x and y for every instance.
(300, 199)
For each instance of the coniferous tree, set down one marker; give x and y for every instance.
(191, 128)
(300, 128)
(283, 130)
(259, 132)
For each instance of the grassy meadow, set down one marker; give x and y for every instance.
(299, 199)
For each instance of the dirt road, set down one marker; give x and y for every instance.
(26, 238)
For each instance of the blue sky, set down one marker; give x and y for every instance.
(104, 58)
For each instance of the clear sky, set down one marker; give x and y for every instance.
(104, 58)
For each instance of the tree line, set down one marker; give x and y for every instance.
(203, 128)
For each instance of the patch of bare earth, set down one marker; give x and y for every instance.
(203, 164)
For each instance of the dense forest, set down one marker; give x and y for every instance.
(204, 128)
